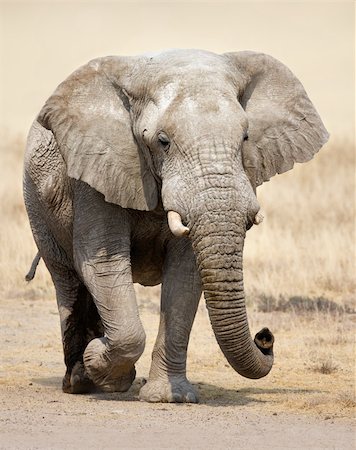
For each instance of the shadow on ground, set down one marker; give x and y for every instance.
(209, 394)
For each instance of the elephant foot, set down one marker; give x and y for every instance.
(172, 390)
(116, 381)
(77, 382)
(110, 371)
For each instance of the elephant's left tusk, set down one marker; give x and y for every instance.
(175, 224)
(258, 218)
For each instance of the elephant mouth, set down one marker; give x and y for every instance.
(178, 229)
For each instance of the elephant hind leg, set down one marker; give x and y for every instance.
(80, 323)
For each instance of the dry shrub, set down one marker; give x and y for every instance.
(347, 399)
(265, 303)
(325, 366)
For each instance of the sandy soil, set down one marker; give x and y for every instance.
(233, 413)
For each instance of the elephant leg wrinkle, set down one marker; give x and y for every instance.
(181, 286)
(110, 370)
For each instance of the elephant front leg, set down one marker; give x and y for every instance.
(110, 360)
(101, 250)
(181, 291)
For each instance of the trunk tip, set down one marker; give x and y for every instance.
(264, 340)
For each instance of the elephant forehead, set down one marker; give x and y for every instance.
(166, 94)
(183, 57)
(186, 67)
(177, 101)
(193, 91)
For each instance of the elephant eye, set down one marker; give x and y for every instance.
(164, 141)
(246, 137)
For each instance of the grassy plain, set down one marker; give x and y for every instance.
(299, 278)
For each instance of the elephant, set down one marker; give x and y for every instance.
(144, 169)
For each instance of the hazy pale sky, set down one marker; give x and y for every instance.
(41, 43)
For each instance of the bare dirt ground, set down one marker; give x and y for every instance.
(306, 402)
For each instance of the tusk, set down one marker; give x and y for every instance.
(175, 224)
(258, 218)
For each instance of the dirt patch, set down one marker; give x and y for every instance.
(294, 407)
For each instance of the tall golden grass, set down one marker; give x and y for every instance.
(306, 245)
(17, 248)
(304, 248)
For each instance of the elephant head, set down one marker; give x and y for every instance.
(195, 132)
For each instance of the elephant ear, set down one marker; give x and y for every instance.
(89, 115)
(284, 126)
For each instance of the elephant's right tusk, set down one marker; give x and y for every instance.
(258, 218)
(175, 224)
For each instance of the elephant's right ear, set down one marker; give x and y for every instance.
(89, 116)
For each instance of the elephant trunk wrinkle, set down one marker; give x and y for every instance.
(219, 260)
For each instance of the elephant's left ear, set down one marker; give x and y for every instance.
(284, 126)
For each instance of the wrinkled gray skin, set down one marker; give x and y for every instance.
(120, 143)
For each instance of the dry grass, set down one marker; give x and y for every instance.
(306, 245)
(17, 248)
(314, 370)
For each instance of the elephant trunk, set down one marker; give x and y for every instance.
(218, 239)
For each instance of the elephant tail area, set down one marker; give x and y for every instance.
(32, 272)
